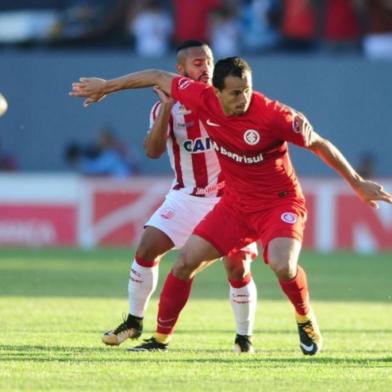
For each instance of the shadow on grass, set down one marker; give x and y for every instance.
(148, 332)
(37, 353)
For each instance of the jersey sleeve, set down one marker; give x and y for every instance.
(154, 114)
(187, 91)
(289, 124)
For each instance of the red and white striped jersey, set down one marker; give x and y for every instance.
(191, 153)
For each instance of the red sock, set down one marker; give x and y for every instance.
(297, 292)
(145, 263)
(174, 295)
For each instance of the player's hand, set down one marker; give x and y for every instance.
(371, 192)
(91, 88)
(163, 97)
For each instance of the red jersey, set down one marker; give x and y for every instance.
(252, 148)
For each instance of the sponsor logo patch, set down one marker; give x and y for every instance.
(289, 217)
(251, 137)
(300, 124)
(198, 145)
(167, 213)
(297, 123)
(250, 160)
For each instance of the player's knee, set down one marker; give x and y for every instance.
(237, 266)
(283, 268)
(147, 253)
(184, 266)
(237, 272)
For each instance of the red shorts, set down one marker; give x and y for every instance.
(229, 230)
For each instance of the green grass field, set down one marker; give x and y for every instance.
(54, 305)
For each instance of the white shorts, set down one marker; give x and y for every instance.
(180, 213)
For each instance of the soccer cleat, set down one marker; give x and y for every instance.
(310, 339)
(150, 345)
(131, 328)
(243, 344)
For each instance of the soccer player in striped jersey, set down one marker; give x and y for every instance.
(197, 186)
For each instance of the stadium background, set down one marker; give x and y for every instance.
(347, 99)
(66, 240)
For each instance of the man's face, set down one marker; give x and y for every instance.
(236, 95)
(197, 63)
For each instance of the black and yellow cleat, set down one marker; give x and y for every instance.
(243, 344)
(150, 345)
(131, 328)
(310, 339)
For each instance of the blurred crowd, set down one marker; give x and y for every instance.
(152, 28)
(107, 156)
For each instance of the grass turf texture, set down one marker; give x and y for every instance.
(54, 305)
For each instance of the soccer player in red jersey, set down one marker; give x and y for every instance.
(198, 185)
(263, 198)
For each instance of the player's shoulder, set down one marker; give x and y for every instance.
(185, 83)
(261, 99)
(261, 102)
(269, 104)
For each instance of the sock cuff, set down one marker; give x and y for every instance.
(237, 284)
(162, 337)
(173, 279)
(145, 263)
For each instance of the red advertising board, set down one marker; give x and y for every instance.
(38, 225)
(59, 211)
(114, 212)
(38, 210)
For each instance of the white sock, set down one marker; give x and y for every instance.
(142, 283)
(243, 302)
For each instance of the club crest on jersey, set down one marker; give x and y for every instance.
(289, 217)
(251, 137)
(184, 83)
(199, 145)
(167, 213)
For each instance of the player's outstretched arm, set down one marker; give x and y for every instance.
(95, 89)
(155, 141)
(369, 191)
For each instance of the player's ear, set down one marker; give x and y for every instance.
(180, 69)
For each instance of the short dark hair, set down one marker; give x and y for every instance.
(190, 43)
(230, 66)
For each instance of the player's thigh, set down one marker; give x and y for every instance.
(196, 254)
(153, 244)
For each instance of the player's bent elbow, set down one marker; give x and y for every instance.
(164, 80)
(152, 153)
